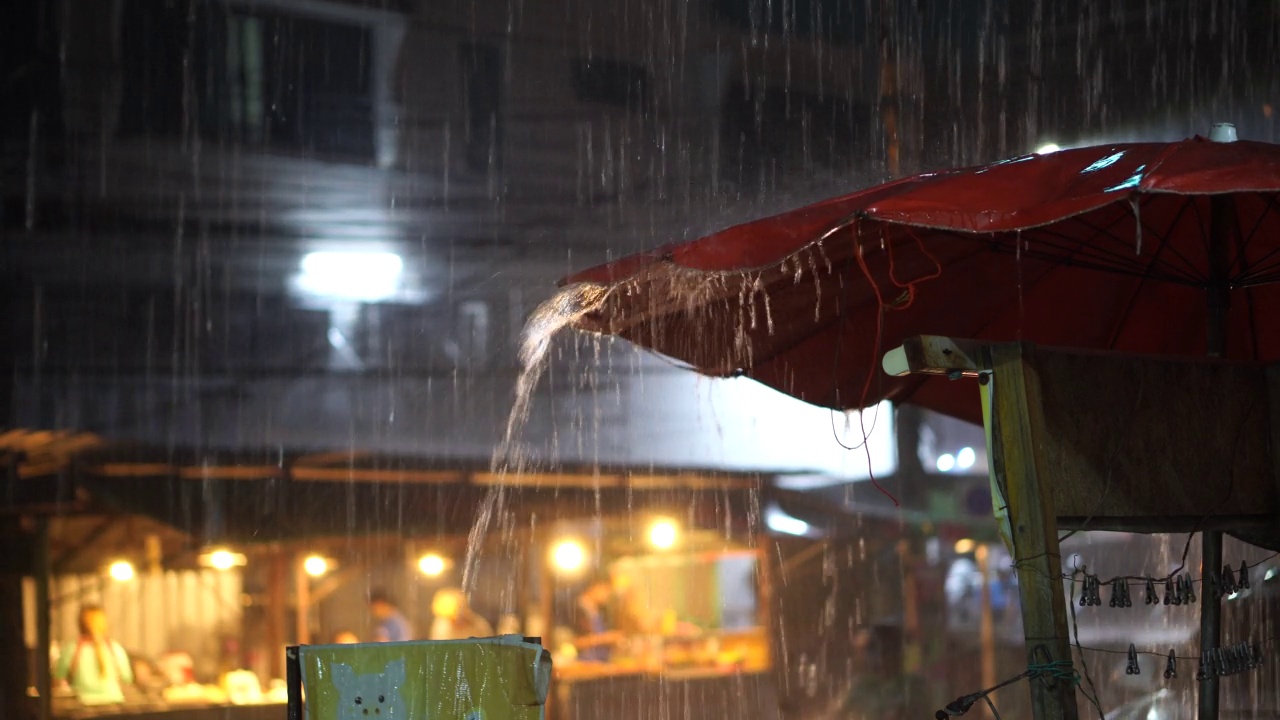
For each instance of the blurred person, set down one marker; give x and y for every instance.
(595, 637)
(454, 618)
(96, 667)
(345, 637)
(390, 625)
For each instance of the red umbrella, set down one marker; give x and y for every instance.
(1127, 247)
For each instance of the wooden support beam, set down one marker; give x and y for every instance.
(1017, 424)
(933, 355)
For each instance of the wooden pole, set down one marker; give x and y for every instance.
(277, 581)
(302, 590)
(986, 623)
(1017, 420)
(889, 90)
(44, 569)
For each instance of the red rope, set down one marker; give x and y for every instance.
(875, 355)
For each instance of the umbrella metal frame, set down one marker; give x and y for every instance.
(1055, 421)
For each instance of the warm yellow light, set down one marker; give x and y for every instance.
(569, 556)
(964, 546)
(315, 565)
(431, 565)
(222, 560)
(121, 571)
(663, 534)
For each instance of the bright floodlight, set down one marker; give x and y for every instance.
(431, 565)
(121, 571)
(222, 560)
(315, 565)
(964, 546)
(353, 276)
(946, 462)
(965, 458)
(568, 556)
(1047, 148)
(663, 534)
(780, 522)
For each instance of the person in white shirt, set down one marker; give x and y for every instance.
(96, 667)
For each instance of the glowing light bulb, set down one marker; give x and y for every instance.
(569, 556)
(1048, 148)
(964, 546)
(221, 560)
(663, 534)
(315, 566)
(121, 571)
(965, 458)
(946, 463)
(431, 565)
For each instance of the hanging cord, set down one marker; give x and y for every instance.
(1060, 670)
(1092, 695)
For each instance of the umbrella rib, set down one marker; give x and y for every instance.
(1261, 261)
(1123, 263)
(839, 316)
(1099, 231)
(1133, 299)
(1062, 243)
(1192, 275)
(1170, 269)
(1098, 262)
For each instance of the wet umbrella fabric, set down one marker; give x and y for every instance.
(1106, 247)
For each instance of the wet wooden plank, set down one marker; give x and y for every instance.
(1018, 434)
(1143, 438)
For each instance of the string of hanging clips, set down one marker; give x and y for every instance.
(1179, 589)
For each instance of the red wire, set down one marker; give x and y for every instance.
(875, 355)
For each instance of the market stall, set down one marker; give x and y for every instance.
(665, 616)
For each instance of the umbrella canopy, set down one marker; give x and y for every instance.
(1145, 248)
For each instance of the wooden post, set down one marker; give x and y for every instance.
(302, 590)
(277, 579)
(44, 569)
(1017, 421)
(986, 625)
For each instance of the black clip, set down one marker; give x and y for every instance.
(1168, 592)
(1124, 593)
(1152, 598)
(1205, 671)
(1171, 666)
(1188, 588)
(1228, 581)
(1133, 667)
(1117, 593)
(1244, 575)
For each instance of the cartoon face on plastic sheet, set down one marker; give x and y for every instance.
(375, 696)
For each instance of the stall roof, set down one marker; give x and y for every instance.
(268, 495)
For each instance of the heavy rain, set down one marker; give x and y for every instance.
(639, 359)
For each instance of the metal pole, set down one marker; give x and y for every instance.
(44, 681)
(1210, 622)
(1222, 220)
